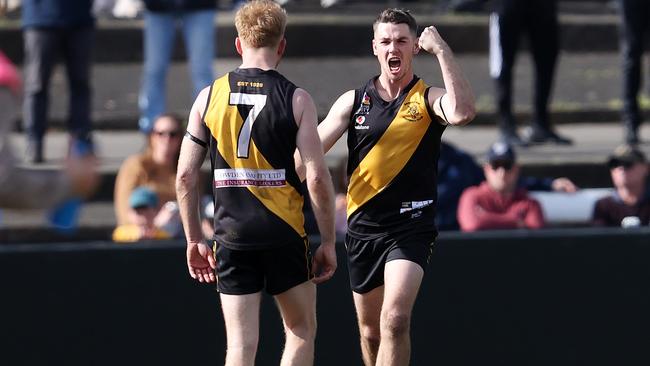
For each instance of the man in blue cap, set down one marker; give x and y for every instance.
(143, 203)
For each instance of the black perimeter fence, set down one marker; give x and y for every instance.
(557, 297)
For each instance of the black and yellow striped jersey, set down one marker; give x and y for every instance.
(392, 165)
(257, 194)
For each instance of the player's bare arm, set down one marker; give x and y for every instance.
(200, 260)
(319, 183)
(337, 120)
(455, 103)
(331, 128)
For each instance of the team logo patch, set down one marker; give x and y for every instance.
(359, 123)
(412, 112)
(366, 99)
(364, 108)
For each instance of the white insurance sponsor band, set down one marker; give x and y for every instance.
(249, 177)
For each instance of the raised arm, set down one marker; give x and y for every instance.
(200, 260)
(319, 183)
(454, 103)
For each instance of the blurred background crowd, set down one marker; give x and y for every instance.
(527, 162)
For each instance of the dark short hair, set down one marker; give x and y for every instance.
(396, 16)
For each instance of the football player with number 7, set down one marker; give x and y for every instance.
(251, 121)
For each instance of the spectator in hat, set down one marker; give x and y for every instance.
(457, 171)
(143, 208)
(629, 205)
(499, 203)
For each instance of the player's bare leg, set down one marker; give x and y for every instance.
(402, 280)
(241, 316)
(298, 309)
(368, 308)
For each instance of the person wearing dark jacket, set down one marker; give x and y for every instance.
(161, 17)
(52, 29)
(457, 170)
(629, 205)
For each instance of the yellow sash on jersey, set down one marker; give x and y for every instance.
(285, 202)
(390, 154)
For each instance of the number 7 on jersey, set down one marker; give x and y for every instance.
(258, 101)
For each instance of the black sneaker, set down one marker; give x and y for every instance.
(81, 146)
(512, 138)
(547, 136)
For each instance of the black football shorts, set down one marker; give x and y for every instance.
(276, 270)
(366, 258)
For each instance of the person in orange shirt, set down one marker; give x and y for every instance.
(154, 168)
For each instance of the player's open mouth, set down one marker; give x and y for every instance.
(394, 64)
